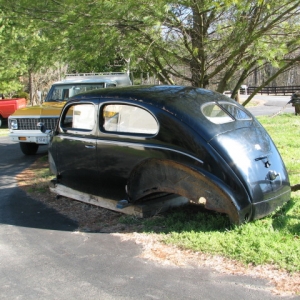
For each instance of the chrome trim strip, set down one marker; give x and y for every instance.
(34, 116)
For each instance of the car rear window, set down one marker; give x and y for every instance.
(223, 112)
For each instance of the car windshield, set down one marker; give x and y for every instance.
(64, 92)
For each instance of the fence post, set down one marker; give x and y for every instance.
(142, 78)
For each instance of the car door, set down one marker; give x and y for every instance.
(126, 130)
(76, 146)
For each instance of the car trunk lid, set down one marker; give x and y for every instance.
(251, 153)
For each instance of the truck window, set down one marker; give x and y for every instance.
(64, 92)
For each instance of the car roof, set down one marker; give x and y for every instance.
(158, 94)
(183, 102)
(175, 99)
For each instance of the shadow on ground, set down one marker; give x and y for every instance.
(19, 209)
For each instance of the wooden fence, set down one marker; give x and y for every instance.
(273, 90)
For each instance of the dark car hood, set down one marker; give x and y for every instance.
(251, 153)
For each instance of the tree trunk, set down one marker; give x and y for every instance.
(30, 87)
(198, 33)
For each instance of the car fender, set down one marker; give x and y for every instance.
(160, 175)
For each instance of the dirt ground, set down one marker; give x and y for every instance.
(95, 219)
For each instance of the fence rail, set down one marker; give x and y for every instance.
(274, 90)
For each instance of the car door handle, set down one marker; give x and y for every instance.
(90, 146)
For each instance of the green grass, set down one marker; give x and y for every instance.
(272, 240)
(285, 132)
(4, 130)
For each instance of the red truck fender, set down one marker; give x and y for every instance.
(9, 106)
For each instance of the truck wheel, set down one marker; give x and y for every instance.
(1, 121)
(29, 148)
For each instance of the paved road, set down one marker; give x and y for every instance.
(42, 256)
(270, 105)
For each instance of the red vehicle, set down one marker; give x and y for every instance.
(9, 106)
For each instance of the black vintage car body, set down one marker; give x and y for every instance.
(150, 140)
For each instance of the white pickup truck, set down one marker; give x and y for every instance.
(23, 124)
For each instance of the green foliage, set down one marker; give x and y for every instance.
(26, 46)
(11, 66)
(21, 95)
(207, 44)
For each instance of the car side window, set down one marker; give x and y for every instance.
(128, 119)
(79, 116)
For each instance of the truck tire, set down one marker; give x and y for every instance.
(1, 121)
(29, 148)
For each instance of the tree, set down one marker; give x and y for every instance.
(26, 48)
(10, 67)
(206, 43)
(220, 42)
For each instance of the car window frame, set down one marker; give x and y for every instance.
(78, 131)
(228, 113)
(121, 133)
(238, 107)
